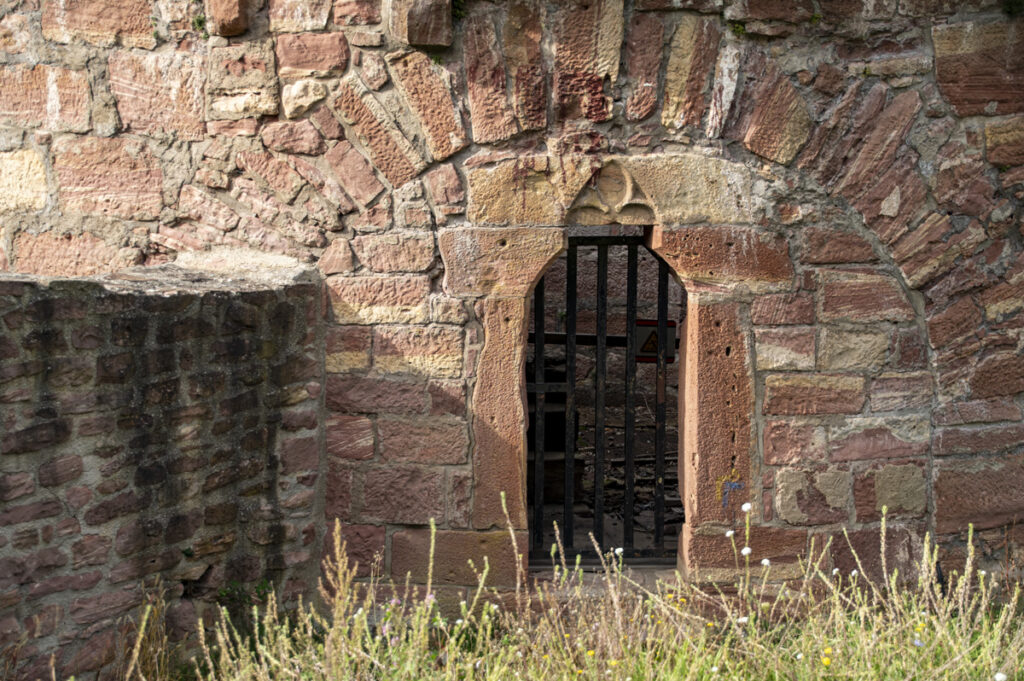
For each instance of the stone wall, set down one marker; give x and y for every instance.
(162, 425)
(836, 184)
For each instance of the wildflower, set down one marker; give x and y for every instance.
(458, 622)
(395, 601)
(565, 635)
(826, 661)
(746, 507)
(828, 650)
(982, 573)
(714, 670)
(746, 551)
(799, 656)
(765, 562)
(590, 653)
(919, 643)
(711, 624)
(835, 572)
(730, 533)
(999, 676)
(545, 656)
(618, 551)
(613, 663)
(853, 573)
(742, 620)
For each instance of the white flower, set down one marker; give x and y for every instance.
(745, 551)
(999, 676)
(730, 533)
(746, 507)
(799, 656)
(714, 670)
(458, 622)
(765, 562)
(982, 573)
(835, 572)
(853, 573)
(618, 551)
(742, 620)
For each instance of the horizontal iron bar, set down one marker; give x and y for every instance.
(586, 339)
(605, 240)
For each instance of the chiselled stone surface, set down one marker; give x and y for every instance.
(497, 262)
(876, 438)
(862, 297)
(311, 54)
(522, 35)
(115, 177)
(779, 124)
(588, 38)
(430, 99)
(22, 181)
(690, 61)
(395, 251)
(717, 424)
(277, 174)
(1004, 141)
(498, 435)
(725, 255)
(978, 66)
(852, 349)
(786, 349)
(426, 23)
(813, 394)
(382, 299)
(643, 60)
(241, 81)
(357, 13)
(354, 172)
(70, 255)
(980, 492)
(931, 249)
(389, 150)
(45, 96)
(298, 15)
(159, 93)
(434, 351)
(489, 108)
(117, 21)
(880, 146)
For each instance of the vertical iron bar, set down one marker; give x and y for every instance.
(631, 284)
(659, 432)
(601, 370)
(570, 396)
(539, 415)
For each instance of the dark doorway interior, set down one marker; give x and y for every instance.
(606, 452)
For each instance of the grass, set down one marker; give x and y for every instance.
(822, 626)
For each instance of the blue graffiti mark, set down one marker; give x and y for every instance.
(728, 487)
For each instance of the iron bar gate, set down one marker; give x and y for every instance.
(541, 387)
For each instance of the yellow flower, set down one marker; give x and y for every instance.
(826, 661)
(566, 635)
(545, 656)
(590, 653)
(613, 663)
(711, 624)
(828, 650)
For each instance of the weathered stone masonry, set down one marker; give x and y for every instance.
(837, 185)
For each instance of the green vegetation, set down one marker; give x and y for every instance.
(737, 28)
(821, 625)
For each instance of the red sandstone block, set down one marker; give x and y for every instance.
(788, 443)
(813, 394)
(426, 91)
(95, 608)
(299, 137)
(395, 251)
(985, 492)
(977, 411)
(13, 515)
(961, 319)
(311, 54)
(277, 174)
(892, 392)
(124, 21)
(159, 93)
(978, 439)
(643, 60)
(430, 351)
(363, 545)
(82, 581)
(862, 297)
(403, 494)
(490, 111)
(115, 507)
(116, 176)
(783, 308)
(902, 551)
(410, 551)
(227, 17)
(419, 440)
(59, 471)
(299, 455)
(725, 254)
(978, 66)
(827, 246)
(858, 439)
(338, 498)
(354, 172)
(376, 395)
(356, 12)
(32, 101)
(349, 437)
(714, 550)
(15, 485)
(998, 374)
(138, 534)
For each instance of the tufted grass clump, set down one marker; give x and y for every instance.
(577, 625)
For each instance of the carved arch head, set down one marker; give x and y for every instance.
(611, 196)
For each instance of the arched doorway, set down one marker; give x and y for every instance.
(602, 400)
